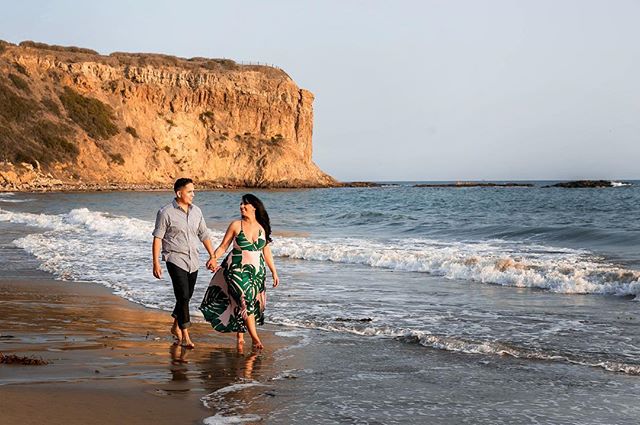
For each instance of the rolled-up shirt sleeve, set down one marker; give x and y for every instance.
(161, 225)
(203, 232)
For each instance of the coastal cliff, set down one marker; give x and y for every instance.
(70, 117)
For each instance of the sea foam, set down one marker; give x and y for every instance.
(223, 420)
(619, 184)
(559, 270)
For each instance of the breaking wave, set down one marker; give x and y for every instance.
(96, 246)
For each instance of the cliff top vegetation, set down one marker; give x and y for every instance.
(74, 54)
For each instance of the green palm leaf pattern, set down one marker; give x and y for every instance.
(238, 288)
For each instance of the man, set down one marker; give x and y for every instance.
(179, 227)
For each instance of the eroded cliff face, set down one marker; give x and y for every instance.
(148, 119)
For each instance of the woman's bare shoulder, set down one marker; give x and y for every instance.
(234, 226)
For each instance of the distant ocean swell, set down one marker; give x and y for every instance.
(70, 240)
(7, 197)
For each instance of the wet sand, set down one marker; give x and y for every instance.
(111, 361)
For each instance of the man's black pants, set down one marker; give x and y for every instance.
(183, 284)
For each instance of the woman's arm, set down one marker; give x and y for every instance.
(268, 258)
(231, 233)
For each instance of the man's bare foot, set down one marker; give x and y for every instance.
(176, 332)
(186, 340)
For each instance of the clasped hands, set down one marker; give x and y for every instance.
(212, 264)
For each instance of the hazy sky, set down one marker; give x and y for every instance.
(409, 90)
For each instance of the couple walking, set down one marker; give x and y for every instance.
(236, 297)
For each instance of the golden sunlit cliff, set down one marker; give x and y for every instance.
(70, 117)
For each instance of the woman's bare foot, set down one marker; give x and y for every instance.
(187, 344)
(251, 327)
(240, 341)
(257, 345)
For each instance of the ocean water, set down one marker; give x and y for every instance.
(404, 304)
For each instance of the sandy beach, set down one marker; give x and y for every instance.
(364, 327)
(109, 360)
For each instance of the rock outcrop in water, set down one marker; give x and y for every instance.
(473, 184)
(577, 184)
(70, 117)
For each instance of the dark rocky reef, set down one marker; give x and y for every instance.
(360, 184)
(473, 184)
(581, 184)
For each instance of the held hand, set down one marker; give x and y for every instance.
(212, 264)
(157, 270)
(276, 280)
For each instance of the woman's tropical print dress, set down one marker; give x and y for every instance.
(237, 289)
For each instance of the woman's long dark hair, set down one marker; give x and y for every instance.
(261, 214)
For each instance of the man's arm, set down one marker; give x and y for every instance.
(211, 263)
(155, 249)
(158, 233)
(204, 236)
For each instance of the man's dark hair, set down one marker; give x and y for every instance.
(180, 183)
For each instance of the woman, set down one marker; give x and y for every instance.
(235, 299)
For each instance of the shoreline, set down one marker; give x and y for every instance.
(208, 186)
(96, 187)
(110, 360)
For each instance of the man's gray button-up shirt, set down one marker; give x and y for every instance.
(181, 232)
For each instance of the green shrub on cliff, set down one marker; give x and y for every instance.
(14, 108)
(207, 115)
(54, 47)
(132, 131)
(20, 83)
(7, 142)
(42, 141)
(117, 158)
(21, 69)
(53, 137)
(95, 117)
(216, 64)
(26, 138)
(51, 106)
